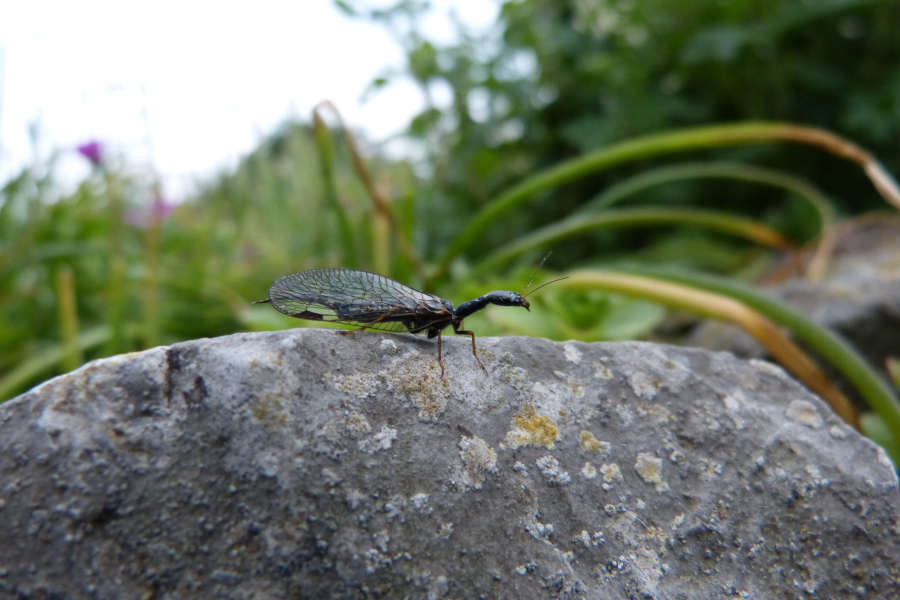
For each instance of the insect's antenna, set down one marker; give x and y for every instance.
(536, 269)
(545, 284)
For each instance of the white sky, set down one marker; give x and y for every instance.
(186, 87)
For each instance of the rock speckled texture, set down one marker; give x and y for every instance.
(310, 464)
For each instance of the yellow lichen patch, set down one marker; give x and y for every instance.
(268, 410)
(430, 408)
(611, 472)
(428, 393)
(477, 459)
(588, 442)
(532, 429)
(804, 412)
(601, 371)
(357, 422)
(360, 385)
(649, 467)
(655, 411)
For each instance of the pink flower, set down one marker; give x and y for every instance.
(93, 151)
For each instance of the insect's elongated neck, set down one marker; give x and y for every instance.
(499, 297)
(467, 308)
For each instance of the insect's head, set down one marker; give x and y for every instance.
(507, 298)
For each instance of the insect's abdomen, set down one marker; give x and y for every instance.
(365, 313)
(404, 310)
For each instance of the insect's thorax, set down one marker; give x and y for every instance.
(435, 314)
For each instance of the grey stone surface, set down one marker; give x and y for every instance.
(309, 464)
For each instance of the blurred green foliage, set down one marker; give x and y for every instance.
(144, 272)
(556, 79)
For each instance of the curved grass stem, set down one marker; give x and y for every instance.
(635, 217)
(659, 144)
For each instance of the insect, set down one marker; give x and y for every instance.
(374, 301)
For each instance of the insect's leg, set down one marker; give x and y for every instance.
(474, 352)
(432, 332)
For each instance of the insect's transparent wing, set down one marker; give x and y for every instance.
(354, 297)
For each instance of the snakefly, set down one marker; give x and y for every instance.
(374, 301)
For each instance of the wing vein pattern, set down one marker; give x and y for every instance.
(357, 297)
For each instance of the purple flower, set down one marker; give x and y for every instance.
(93, 151)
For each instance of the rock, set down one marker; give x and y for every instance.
(310, 464)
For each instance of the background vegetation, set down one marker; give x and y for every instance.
(114, 267)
